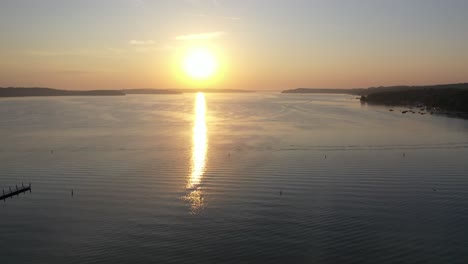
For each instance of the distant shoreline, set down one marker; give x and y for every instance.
(324, 91)
(36, 91)
(451, 99)
(41, 92)
(213, 91)
(433, 100)
(373, 90)
(446, 97)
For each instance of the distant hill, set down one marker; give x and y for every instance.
(37, 91)
(213, 91)
(380, 89)
(449, 99)
(181, 91)
(372, 90)
(150, 91)
(326, 91)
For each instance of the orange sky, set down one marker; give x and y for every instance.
(259, 44)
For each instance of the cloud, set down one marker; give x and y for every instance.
(232, 18)
(217, 17)
(45, 53)
(55, 53)
(215, 3)
(140, 3)
(73, 72)
(201, 36)
(142, 42)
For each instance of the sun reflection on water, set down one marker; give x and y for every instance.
(199, 150)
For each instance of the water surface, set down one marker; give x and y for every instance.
(231, 178)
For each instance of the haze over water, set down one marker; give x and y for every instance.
(210, 178)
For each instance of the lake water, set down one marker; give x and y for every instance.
(231, 178)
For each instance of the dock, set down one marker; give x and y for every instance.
(15, 191)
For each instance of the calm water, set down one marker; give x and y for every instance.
(197, 179)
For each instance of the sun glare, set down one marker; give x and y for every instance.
(199, 151)
(200, 64)
(200, 145)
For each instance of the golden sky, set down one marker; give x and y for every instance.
(274, 44)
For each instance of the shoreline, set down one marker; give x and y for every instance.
(15, 92)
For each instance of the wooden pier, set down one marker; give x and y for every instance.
(15, 191)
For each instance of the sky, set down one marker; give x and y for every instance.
(259, 44)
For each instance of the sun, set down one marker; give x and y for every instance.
(200, 64)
